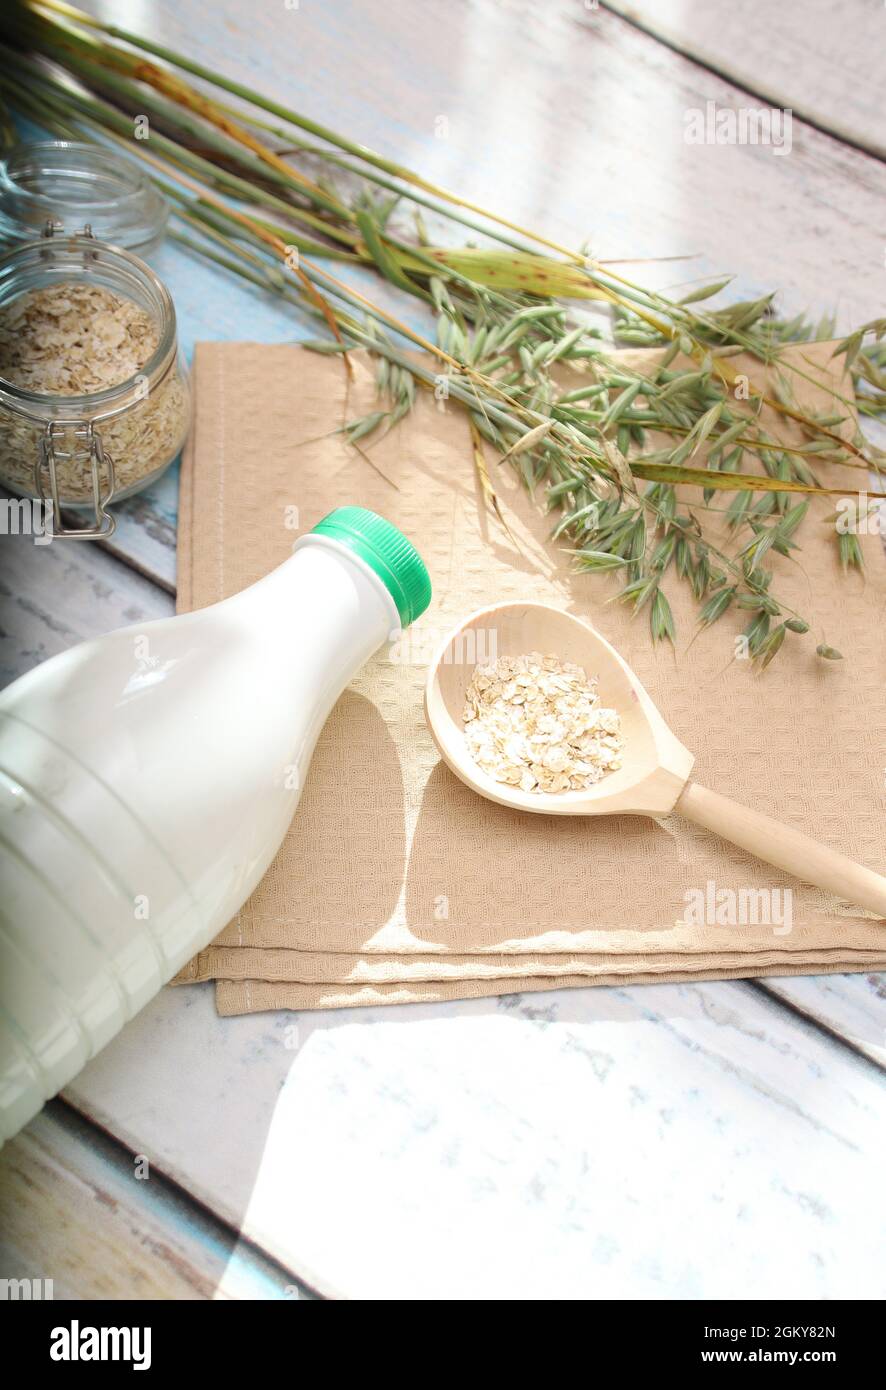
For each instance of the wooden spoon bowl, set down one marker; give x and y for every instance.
(656, 765)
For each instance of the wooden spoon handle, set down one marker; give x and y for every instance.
(778, 844)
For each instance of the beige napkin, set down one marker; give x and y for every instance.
(395, 882)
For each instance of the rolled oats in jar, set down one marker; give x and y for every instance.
(94, 399)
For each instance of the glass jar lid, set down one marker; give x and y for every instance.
(68, 187)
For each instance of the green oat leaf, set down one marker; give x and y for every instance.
(728, 482)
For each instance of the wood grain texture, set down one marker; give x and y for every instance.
(823, 60)
(656, 1142)
(79, 1211)
(852, 1007)
(461, 1161)
(146, 528)
(52, 596)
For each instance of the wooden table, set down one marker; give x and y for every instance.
(708, 1140)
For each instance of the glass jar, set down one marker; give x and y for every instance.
(83, 451)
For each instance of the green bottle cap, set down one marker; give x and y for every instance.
(387, 551)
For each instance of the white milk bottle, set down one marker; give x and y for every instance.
(148, 777)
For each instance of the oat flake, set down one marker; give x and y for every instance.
(536, 723)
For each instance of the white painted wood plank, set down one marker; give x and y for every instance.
(99, 1223)
(853, 1006)
(52, 596)
(823, 60)
(657, 1142)
(575, 128)
(146, 530)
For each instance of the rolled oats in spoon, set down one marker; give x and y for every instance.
(536, 723)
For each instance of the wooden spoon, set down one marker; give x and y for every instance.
(654, 777)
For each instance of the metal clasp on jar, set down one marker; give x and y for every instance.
(102, 470)
(54, 227)
(93, 452)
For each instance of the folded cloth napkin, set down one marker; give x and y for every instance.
(397, 883)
